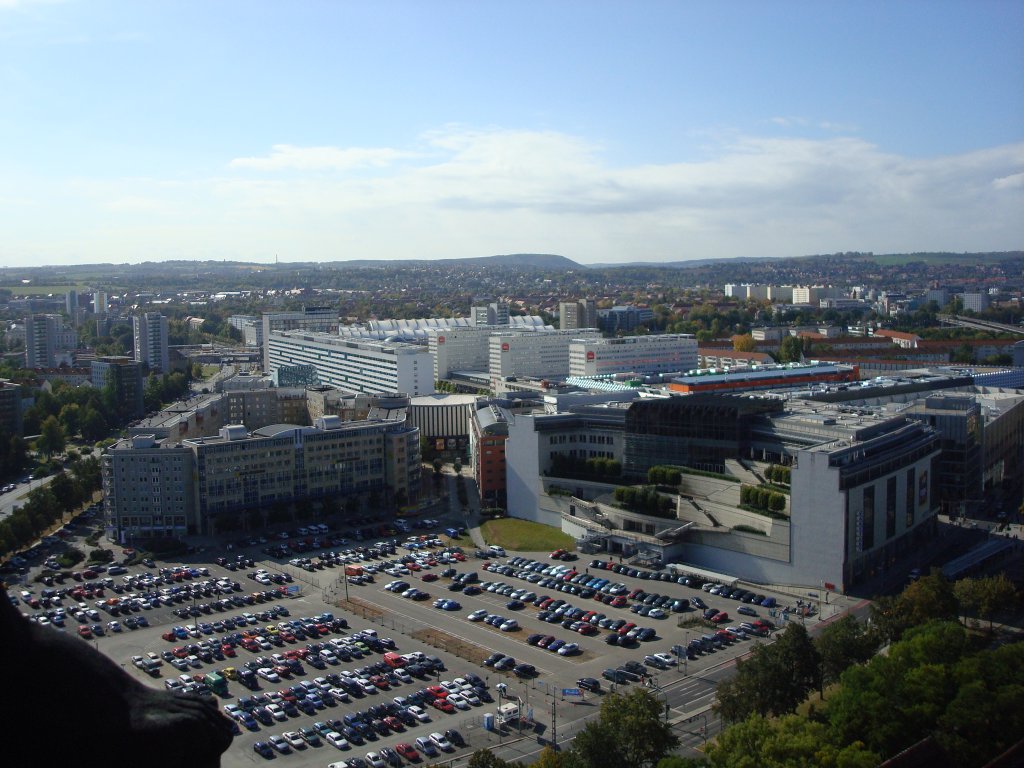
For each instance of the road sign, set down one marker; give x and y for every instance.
(572, 692)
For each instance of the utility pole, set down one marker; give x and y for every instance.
(554, 725)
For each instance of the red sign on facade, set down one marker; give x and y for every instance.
(440, 339)
(504, 347)
(590, 356)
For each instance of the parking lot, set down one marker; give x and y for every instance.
(523, 629)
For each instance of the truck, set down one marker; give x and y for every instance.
(216, 683)
(353, 570)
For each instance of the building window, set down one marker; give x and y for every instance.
(868, 520)
(890, 507)
(911, 485)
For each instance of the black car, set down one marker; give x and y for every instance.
(524, 670)
(589, 684)
(455, 737)
(615, 676)
(506, 663)
(493, 659)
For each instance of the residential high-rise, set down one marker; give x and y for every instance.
(48, 343)
(494, 313)
(577, 314)
(99, 302)
(151, 341)
(125, 375)
(71, 303)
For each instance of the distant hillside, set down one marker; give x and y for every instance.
(527, 260)
(937, 257)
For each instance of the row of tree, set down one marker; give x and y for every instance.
(762, 498)
(776, 473)
(937, 680)
(45, 505)
(662, 475)
(644, 499)
(597, 468)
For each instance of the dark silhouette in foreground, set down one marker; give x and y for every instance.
(68, 703)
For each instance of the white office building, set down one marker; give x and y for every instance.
(48, 342)
(666, 353)
(540, 355)
(354, 365)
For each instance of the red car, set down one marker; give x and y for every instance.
(719, 618)
(444, 705)
(408, 751)
(626, 627)
(85, 632)
(430, 577)
(169, 637)
(618, 602)
(394, 723)
(437, 692)
(459, 556)
(588, 629)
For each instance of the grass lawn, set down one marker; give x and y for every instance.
(525, 536)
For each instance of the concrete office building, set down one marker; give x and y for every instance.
(354, 365)
(99, 303)
(150, 334)
(862, 493)
(489, 314)
(443, 419)
(487, 436)
(664, 353)
(161, 488)
(459, 349)
(577, 314)
(317, 319)
(125, 375)
(975, 301)
(149, 490)
(623, 319)
(533, 354)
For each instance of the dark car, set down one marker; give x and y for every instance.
(455, 737)
(589, 684)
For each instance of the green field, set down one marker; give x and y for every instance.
(525, 536)
(18, 289)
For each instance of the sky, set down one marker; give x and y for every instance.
(607, 132)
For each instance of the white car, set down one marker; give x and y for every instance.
(450, 686)
(268, 674)
(441, 742)
(335, 739)
(457, 701)
(667, 658)
(471, 697)
(419, 713)
(276, 712)
(569, 649)
(477, 615)
(510, 626)
(375, 760)
(294, 739)
(339, 694)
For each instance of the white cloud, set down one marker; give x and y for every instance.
(285, 157)
(466, 192)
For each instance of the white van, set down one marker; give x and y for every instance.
(497, 551)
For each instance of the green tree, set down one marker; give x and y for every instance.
(930, 597)
(51, 437)
(630, 730)
(743, 342)
(791, 350)
(774, 680)
(69, 419)
(842, 644)
(789, 742)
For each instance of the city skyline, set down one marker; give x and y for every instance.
(602, 132)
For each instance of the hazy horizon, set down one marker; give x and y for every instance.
(600, 131)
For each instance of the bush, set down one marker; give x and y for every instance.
(101, 556)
